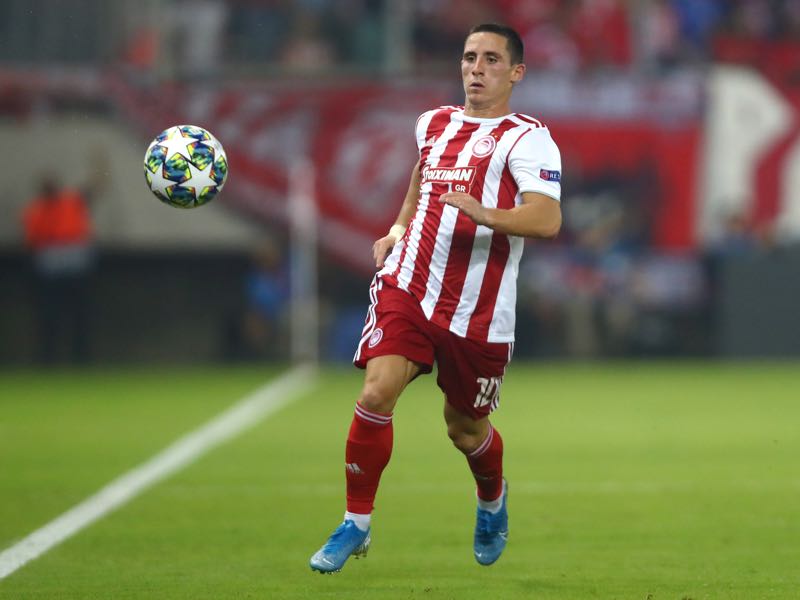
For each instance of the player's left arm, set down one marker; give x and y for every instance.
(535, 164)
(538, 216)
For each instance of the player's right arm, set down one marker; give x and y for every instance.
(382, 247)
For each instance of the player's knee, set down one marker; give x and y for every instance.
(376, 399)
(463, 440)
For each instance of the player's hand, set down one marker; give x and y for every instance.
(467, 205)
(382, 248)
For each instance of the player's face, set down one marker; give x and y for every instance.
(488, 75)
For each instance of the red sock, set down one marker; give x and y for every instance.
(486, 463)
(369, 446)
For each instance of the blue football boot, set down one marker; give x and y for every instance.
(491, 532)
(347, 540)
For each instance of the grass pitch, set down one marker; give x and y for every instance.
(628, 480)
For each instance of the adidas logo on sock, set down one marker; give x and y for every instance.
(354, 468)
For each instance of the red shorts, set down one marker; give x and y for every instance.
(470, 372)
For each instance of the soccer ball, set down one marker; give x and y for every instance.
(185, 166)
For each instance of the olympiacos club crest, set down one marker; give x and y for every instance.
(484, 146)
(376, 337)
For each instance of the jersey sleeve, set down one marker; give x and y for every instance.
(535, 163)
(421, 128)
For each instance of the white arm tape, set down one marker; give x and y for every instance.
(397, 231)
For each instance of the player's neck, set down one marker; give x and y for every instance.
(486, 112)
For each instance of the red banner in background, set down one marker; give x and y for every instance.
(667, 156)
(360, 140)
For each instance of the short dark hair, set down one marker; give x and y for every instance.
(513, 41)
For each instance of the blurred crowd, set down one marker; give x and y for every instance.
(568, 35)
(197, 38)
(604, 289)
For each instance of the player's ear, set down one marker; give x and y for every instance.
(517, 73)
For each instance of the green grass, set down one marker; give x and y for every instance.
(628, 480)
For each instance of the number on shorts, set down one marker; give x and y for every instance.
(489, 392)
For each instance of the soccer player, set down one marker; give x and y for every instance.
(486, 178)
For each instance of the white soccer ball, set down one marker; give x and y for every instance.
(185, 166)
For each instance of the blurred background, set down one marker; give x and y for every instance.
(677, 121)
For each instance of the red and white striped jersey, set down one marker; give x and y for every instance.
(465, 276)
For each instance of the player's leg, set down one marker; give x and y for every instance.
(369, 441)
(368, 449)
(471, 377)
(483, 448)
(393, 350)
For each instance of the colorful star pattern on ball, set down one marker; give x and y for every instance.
(185, 166)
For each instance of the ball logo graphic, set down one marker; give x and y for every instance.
(185, 166)
(484, 146)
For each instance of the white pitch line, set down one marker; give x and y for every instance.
(243, 415)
